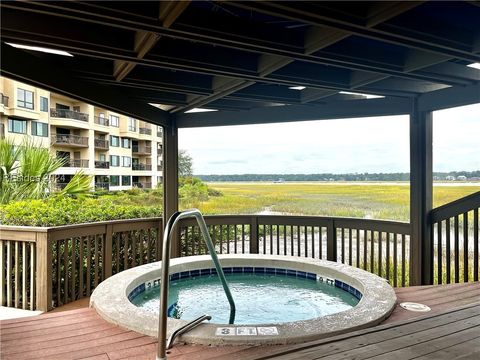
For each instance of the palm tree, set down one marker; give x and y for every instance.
(26, 172)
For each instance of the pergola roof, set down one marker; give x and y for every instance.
(243, 58)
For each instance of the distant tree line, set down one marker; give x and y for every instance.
(334, 177)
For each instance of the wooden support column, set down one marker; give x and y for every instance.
(421, 187)
(170, 180)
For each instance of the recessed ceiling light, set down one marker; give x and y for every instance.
(368, 96)
(297, 87)
(199, 110)
(474, 65)
(162, 106)
(41, 49)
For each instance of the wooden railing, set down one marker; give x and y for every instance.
(43, 268)
(455, 236)
(381, 247)
(46, 267)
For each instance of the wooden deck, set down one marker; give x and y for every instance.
(450, 331)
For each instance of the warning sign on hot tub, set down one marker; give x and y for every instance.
(247, 331)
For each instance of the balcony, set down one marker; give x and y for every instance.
(101, 121)
(141, 150)
(102, 164)
(102, 185)
(68, 114)
(145, 131)
(4, 100)
(142, 167)
(102, 144)
(142, 185)
(78, 163)
(69, 140)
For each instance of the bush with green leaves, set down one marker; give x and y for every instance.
(59, 210)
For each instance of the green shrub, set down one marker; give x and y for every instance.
(56, 211)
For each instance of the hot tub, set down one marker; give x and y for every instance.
(279, 299)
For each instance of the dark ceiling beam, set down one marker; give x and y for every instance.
(169, 11)
(20, 65)
(276, 114)
(269, 49)
(174, 64)
(450, 97)
(315, 39)
(326, 18)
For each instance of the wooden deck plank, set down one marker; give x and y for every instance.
(361, 338)
(434, 345)
(82, 334)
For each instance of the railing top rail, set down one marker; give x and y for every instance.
(302, 220)
(76, 226)
(460, 206)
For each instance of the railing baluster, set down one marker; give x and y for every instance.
(457, 250)
(465, 247)
(140, 246)
(387, 256)
(134, 236)
(403, 260)
(291, 240)
(236, 239)
(66, 248)
(24, 276)
(448, 257)
(439, 253)
(97, 265)
(89, 262)
(350, 246)
(372, 251)
(73, 258)
(365, 247)
(380, 250)
(343, 245)
(2, 272)
(33, 285)
(395, 260)
(357, 236)
(299, 251)
(17, 276)
(476, 231)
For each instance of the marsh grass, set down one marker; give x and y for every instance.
(375, 201)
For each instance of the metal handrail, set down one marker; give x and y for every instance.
(185, 328)
(162, 323)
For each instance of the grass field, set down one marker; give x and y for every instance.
(364, 200)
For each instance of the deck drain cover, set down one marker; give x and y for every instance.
(411, 306)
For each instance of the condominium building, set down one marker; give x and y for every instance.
(121, 152)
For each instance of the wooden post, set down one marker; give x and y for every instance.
(254, 235)
(331, 241)
(107, 252)
(170, 180)
(43, 271)
(421, 246)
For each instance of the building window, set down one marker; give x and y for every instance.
(43, 104)
(17, 126)
(126, 161)
(114, 141)
(25, 99)
(125, 143)
(114, 120)
(39, 129)
(132, 124)
(114, 180)
(114, 160)
(126, 180)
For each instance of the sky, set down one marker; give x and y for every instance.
(375, 144)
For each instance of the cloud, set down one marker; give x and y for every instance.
(377, 144)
